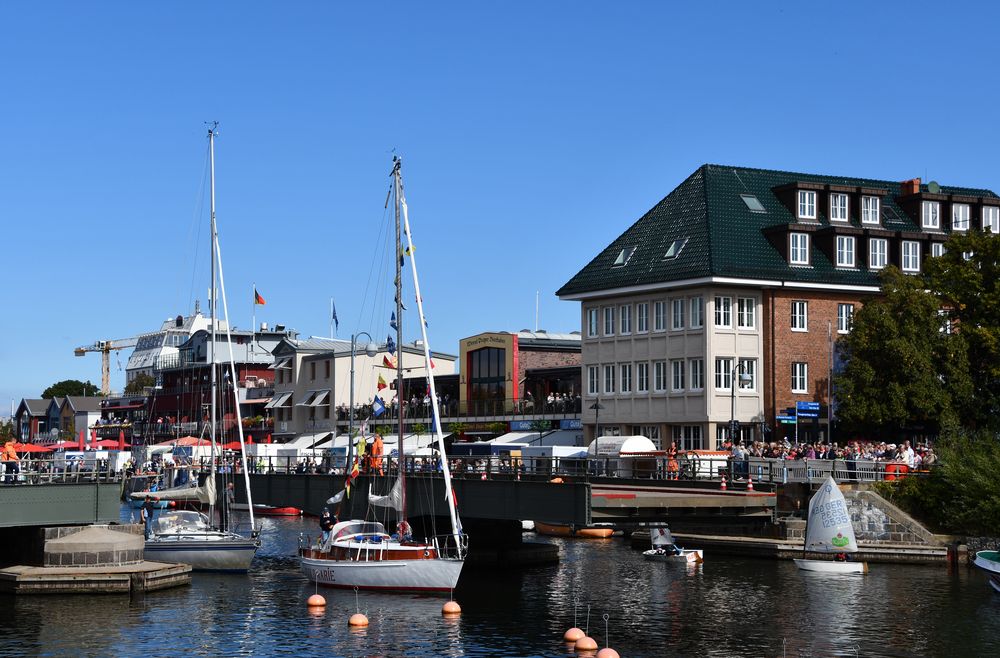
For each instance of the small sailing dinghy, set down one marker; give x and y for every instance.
(989, 562)
(665, 550)
(360, 553)
(829, 531)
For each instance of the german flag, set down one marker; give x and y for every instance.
(257, 299)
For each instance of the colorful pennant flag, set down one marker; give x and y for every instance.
(389, 361)
(378, 407)
(381, 382)
(257, 299)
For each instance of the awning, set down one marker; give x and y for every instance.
(280, 400)
(315, 399)
(281, 364)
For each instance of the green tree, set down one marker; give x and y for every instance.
(139, 384)
(70, 387)
(902, 369)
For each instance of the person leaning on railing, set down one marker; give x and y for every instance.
(10, 462)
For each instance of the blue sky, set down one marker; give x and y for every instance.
(532, 134)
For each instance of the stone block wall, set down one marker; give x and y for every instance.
(875, 521)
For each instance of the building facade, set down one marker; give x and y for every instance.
(716, 314)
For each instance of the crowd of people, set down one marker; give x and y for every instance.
(916, 458)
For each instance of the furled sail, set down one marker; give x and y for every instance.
(203, 490)
(393, 499)
(829, 529)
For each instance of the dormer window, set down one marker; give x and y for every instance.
(930, 214)
(623, 256)
(838, 207)
(991, 219)
(798, 248)
(911, 256)
(960, 217)
(869, 210)
(845, 251)
(674, 250)
(807, 204)
(937, 249)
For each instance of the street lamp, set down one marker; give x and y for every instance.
(371, 349)
(597, 420)
(745, 378)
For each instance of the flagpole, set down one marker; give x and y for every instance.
(253, 318)
(331, 317)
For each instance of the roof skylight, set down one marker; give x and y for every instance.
(674, 250)
(623, 256)
(753, 203)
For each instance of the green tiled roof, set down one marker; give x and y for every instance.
(727, 239)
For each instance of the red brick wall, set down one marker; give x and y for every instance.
(532, 359)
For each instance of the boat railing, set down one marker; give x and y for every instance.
(452, 547)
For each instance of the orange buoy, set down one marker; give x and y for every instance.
(573, 634)
(723, 484)
(586, 643)
(749, 484)
(357, 620)
(451, 609)
(316, 601)
(607, 652)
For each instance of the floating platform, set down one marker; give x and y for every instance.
(124, 579)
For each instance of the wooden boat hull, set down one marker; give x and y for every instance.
(832, 566)
(231, 555)
(686, 556)
(559, 530)
(989, 563)
(437, 575)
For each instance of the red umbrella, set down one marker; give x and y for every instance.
(110, 443)
(249, 439)
(121, 439)
(232, 445)
(30, 447)
(268, 439)
(65, 445)
(83, 439)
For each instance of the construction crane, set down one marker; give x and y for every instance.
(106, 347)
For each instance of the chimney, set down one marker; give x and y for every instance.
(911, 186)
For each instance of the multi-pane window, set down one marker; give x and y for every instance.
(609, 321)
(800, 374)
(911, 256)
(937, 249)
(748, 374)
(807, 204)
(593, 381)
(677, 375)
(991, 219)
(930, 214)
(878, 253)
(845, 314)
(798, 248)
(677, 314)
(659, 316)
(723, 311)
(697, 312)
(800, 315)
(609, 379)
(869, 210)
(660, 376)
(642, 377)
(723, 373)
(625, 370)
(838, 207)
(687, 437)
(696, 372)
(960, 217)
(593, 322)
(845, 251)
(642, 318)
(625, 322)
(746, 312)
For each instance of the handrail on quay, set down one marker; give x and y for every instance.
(50, 471)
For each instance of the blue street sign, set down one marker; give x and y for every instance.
(786, 419)
(807, 406)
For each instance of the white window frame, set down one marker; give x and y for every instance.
(800, 315)
(991, 219)
(642, 377)
(807, 204)
(609, 320)
(625, 377)
(746, 312)
(870, 209)
(659, 376)
(800, 377)
(696, 374)
(642, 318)
(723, 373)
(677, 319)
(677, 383)
(697, 318)
(846, 251)
(798, 248)
(909, 255)
(878, 257)
(659, 316)
(625, 319)
(937, 249)
(845, 315)
(930, 214)
(593, 380)
(748, 367)
(723, 312)
(839, 207)
(593, 322)
(609, 379)
(960, 213)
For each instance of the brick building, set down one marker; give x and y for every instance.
(724, 301)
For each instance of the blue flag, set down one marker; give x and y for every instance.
(333, 313)
(390, 345)
(392, 321)
(378, 407)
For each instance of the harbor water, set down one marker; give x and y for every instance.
(724, 607)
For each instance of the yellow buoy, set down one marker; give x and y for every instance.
(586, 643)
(316, 601)
(573, 634)
(451, 608)
(357, 620)
(607, 652)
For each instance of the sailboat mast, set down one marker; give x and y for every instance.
(397, 186)
(212, 302)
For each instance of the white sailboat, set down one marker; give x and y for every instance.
(829, 531)
(361, 553)
(666, 550)
(188, 537)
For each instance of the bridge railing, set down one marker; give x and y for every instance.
(52, 471)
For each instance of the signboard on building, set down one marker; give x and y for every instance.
(807, 409)
(571, 424)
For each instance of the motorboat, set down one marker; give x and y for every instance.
(567, 530)
(829, 531)
(989, 562)
(666, 550)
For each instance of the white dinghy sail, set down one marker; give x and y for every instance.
(829, 530)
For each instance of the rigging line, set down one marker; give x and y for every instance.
(196, 227)
(374, 266)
